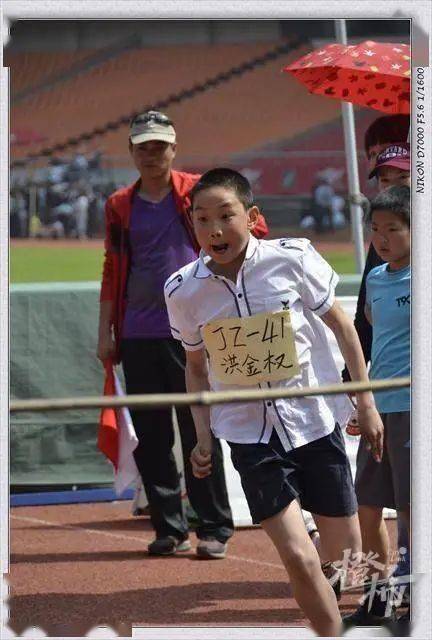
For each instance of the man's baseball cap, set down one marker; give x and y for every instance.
(395, 155)
(151, 125)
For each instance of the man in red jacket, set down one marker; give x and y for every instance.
(148, 237)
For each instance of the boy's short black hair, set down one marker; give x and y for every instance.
(229, 178)
(395, 199)
(393, 128)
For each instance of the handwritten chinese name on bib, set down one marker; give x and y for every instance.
(254, 349)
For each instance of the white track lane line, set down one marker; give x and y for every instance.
(134, 538)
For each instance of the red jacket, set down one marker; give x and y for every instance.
(117, 248)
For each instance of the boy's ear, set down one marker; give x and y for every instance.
(253, 215)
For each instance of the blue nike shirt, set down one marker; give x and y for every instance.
(388, 297)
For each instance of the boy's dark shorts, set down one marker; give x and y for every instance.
(318, 474)
(387, 483)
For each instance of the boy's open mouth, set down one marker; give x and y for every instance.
(219, 248)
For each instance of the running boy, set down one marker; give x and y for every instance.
(388, 310)
(250, 313)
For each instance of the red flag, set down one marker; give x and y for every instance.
(108, 432)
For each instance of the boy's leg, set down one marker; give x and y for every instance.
(374, 489)
(340, 547)
(399, 448)
(387, 483)
(375, 540)
(269, 477)
(313, 593)
(327, 491)
(339, 537)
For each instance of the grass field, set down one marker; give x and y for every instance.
(81, 263)
(55, 264)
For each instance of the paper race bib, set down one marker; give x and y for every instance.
(254, 349)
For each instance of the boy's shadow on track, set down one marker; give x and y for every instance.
(68, 614)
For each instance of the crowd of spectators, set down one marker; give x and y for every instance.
(328, 209)
(65, 200)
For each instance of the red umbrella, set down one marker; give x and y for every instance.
(370, 74)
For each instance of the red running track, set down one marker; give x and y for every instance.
(74, 567)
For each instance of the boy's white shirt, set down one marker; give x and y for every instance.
(274, 273)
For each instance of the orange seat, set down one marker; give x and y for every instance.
(261, 106)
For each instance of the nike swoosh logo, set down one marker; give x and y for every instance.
(376, 299)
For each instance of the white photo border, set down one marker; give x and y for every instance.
(420, 13)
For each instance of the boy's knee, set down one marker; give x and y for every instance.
(300, 561)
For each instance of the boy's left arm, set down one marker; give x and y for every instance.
(370, 422)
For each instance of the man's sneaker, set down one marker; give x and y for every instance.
(168, 546)
(364, 618)
(211, 549)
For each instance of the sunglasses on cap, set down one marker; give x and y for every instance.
(154, 116)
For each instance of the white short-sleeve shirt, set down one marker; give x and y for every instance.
(276, 275)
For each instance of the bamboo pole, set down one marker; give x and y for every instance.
(206, 398)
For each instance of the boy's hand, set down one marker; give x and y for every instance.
(372, 429)
(201, 461)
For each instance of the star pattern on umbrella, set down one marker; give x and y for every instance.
(372, 74)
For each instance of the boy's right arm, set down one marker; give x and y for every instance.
(197, 380)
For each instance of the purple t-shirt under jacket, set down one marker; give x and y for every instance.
(160, 245)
